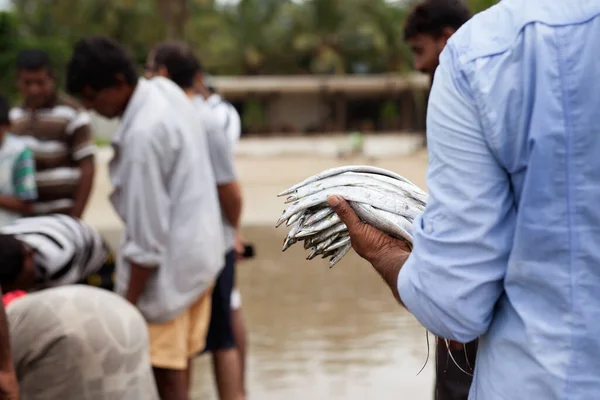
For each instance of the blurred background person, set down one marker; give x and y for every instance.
(176, 61)
(165, 192)
(53, 250)
(231, 122)
(58, 132)
(79, 342)
(18, 189)
(428, 27)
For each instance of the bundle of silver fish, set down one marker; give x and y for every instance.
(380, 198)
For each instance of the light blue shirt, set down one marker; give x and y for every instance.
(508, 248)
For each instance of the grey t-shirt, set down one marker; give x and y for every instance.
(221, 155)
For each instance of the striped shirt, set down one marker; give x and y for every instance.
(66, 249)
(60, 137)
(220, 150)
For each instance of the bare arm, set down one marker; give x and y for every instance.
(139, 278)
(84, 188)
(17, 205)
(82, 152)
(230, 197)
(9, 388)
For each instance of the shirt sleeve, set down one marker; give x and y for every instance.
(221, 155)
(82, 140)
(24, 177)
(145, 199)
(453, 278)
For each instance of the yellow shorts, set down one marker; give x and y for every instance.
(172, 343)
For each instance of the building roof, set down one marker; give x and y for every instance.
(236, 86)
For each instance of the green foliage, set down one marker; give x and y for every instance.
(250, 37)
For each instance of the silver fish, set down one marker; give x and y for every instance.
(327, 233)
(294, 218)
(345, 179)
(347, 168)
(391, 224)
(325, 243)
(374, 197)
(318, 215)
(340, 242)
(341, 252)
(331, 220)
(290, 239)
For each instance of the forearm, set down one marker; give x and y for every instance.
(84, 188)
(231, 203)
(137, 282)
(16, 205)
(388, 266)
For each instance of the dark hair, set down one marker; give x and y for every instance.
(4, 110)
(34, 60)
(179, 60)
(12, 254)
(431, 17)
(96, 62)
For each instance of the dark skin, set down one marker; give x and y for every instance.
(426, 49)
(84, 188)
(38, 88)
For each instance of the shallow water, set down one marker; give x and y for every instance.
(320, 333)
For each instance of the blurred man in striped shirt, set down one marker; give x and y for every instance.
(53, 250)
(58, 132)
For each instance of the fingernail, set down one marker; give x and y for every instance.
(333, 200)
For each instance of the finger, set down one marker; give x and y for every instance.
(345, 212)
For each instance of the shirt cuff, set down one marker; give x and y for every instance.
(417, 303)
(139, 256)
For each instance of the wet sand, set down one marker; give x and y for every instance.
(315, 332)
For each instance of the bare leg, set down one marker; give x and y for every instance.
(172, 384)
(240, 335)
(227, 370)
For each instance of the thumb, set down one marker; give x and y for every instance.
(345, 212)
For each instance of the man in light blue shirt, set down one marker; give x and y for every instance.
(507, 248)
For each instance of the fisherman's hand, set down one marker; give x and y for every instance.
(370, 243)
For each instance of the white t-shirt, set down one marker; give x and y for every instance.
(228, 117)
(222, 125)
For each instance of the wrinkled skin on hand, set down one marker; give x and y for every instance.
(368, 242)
